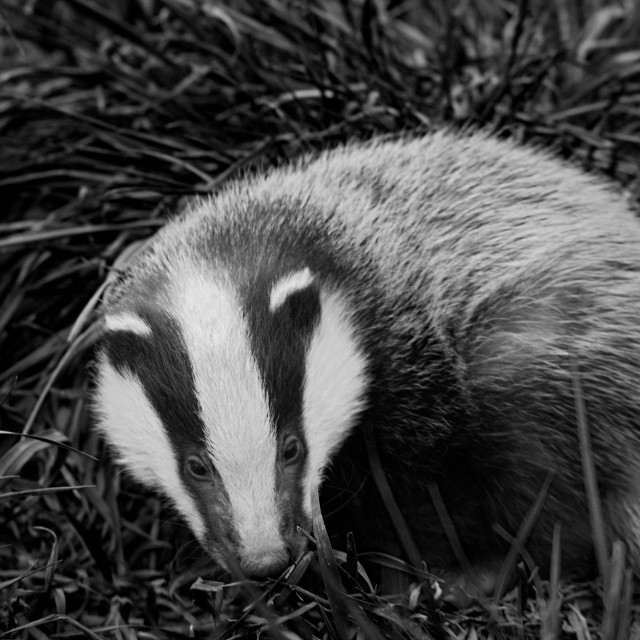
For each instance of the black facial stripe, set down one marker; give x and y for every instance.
(279, 341)
(161, 363)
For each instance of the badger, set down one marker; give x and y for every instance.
(438, 294)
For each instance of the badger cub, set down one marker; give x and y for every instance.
(440, 293)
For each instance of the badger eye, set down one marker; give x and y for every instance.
(197, 468)
(291, 449)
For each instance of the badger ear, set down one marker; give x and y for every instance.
(127, 322)
(289, 286)
(296, 298)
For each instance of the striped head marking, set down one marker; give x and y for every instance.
(232, 400)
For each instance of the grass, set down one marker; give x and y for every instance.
(110, 114)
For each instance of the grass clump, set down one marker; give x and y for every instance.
(110, 115)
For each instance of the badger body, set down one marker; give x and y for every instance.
(440, 294)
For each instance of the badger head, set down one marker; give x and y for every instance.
(231, 398)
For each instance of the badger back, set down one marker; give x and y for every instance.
(226, 378)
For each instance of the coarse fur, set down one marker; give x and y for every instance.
(438, 291)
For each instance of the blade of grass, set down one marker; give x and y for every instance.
(81, 342)
(591, 483)
(520, 539)
(616, 598)
(395, 514)
(449, 528)
(550, 610)
(56, 443)
(8, 583)
(329, 571)
(341, 604)
(42, 491)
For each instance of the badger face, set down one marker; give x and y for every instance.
(231, 400)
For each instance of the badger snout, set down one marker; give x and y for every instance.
(268, 546)
(265, 561)
(268, 558)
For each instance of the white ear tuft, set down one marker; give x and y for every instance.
(288, 285)
(129, 322)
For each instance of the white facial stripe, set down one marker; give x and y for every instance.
(288, 285)
(334, 387)
(129, 322)
(233, 405)
(131, 425)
